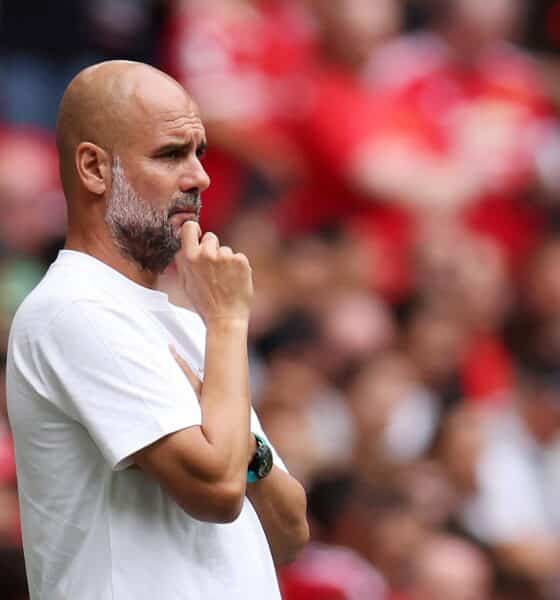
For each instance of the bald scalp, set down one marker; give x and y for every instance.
(103, 104)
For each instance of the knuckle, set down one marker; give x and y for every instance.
(240, 257)
(191, 255)
(209, 254)
(242, 260)
(225, 251)
(209, 237)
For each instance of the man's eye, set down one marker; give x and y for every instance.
(173, 154)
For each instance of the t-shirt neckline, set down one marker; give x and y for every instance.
(153, 299)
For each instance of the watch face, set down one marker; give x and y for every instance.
(262, 462)
(265, 464)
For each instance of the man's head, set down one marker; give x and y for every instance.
(351, 29)
(130, 141)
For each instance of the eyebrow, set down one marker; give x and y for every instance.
(181, 147)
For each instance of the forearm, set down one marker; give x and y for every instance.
(281, 505)
(225, 398)
(205, 468)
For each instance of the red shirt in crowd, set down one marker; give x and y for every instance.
(325, 572)
(489, 116)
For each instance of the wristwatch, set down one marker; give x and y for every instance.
(261, 463)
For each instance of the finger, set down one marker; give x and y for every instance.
(190, 235)
(240, 257)
(193, 379)
(225, 251)
(210, 242)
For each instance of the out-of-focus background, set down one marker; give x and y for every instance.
(392, 169)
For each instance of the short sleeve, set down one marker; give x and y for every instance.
(111, 370)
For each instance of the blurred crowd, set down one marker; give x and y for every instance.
(392, 170)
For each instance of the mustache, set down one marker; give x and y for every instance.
(190, 202)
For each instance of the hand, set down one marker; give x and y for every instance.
(218, 282)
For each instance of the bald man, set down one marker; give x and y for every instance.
(143, 471)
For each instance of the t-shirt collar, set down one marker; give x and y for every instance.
(103, 273)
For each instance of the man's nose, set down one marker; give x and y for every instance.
(195, 176)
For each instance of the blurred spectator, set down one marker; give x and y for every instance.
(449, 122)
(464, 279)
(328, 569)
(534, 333)
(252, 51)
(315, 408)
(331, 573)
(395, 416)
(480, 103)
(32, 208)
(339, 110)
(448, 568)
(506, 467)
(374, 519)
(435, 342)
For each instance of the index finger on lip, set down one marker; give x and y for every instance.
(190, 235)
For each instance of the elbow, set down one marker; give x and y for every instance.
(229, 502)
(217, 503)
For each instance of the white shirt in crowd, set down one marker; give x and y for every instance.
(91, 381)
(518, 485)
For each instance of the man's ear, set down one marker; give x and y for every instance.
(93, 166)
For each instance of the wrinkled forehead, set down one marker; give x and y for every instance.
(164, 112)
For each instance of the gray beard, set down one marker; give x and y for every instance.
(142, 233)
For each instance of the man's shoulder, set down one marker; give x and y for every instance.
(55, 295)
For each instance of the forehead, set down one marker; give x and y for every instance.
(183, 125)
(165, 112)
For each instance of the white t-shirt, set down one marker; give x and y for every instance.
(518, 485)
(91, 381)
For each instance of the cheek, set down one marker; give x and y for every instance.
(156, 187)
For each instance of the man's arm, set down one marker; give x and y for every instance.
(279, 500)
(281, 504)
(205, 467)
